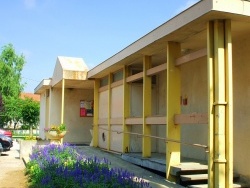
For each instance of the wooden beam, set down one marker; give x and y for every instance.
(154, 120)
(135, 77)
(192, 56)
(134, 121)
(157, 69)
(193, 118)
(117, 83)
(103, 88)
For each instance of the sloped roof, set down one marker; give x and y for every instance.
(71, 69)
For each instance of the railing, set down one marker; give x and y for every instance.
(161, 138)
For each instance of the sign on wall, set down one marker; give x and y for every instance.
(86, 108)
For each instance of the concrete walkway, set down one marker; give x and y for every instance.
(12, 169)
(155, 180)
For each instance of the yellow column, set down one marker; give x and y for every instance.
(146, 141)
(110, 79)
(210, 68)
(229, 107)
(126, 111)
(49, 108)
(219, 105)
(62, 107)
(221, 115)
(96, 112)
(173, 107)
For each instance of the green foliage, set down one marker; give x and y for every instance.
(25, 127)
(30, 112)
(12, 109)
(11, 66)
(31, 138)
(59, 129)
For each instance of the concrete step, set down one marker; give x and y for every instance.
(194, 177)
(188, 168)
(201, 177)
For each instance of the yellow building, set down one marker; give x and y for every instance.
(187, 81)
(182, 91)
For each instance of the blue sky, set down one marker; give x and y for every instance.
(93, 30)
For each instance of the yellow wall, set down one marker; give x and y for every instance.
(194, 88)
(241, 84)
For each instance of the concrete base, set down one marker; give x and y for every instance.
(156, 161)
(26, 147)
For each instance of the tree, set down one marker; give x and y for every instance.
(11, 66)
(30, 113)
(13, 110)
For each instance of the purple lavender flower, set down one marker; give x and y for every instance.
(61, 166)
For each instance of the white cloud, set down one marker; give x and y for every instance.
(30, 4)
(188, 4)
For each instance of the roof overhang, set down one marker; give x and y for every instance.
(75, 84)
(180, 28)
(43, 85)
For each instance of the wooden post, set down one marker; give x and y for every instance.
(126, 111)
(147, 103)
(62, 107)
(110, 80)
(173, 107)
(96, 112)
(210, 68)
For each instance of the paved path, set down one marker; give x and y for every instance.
(155, 181)
(12, 169)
